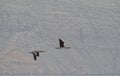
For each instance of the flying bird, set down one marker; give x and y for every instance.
(35, 54)
(61, 43)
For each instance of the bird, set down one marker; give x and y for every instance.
(61, 43)
(35, 54)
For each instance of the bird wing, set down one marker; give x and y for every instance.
(41, 51)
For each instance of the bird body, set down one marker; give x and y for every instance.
(61, 43)
(35, 54)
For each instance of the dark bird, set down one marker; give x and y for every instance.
(35, 54)
(61, 43)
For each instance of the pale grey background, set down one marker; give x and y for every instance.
(90, 27)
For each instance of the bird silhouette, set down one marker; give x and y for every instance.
(61, 43)
(35, 54)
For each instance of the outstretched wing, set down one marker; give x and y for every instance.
(41, 51)
(63, 47)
